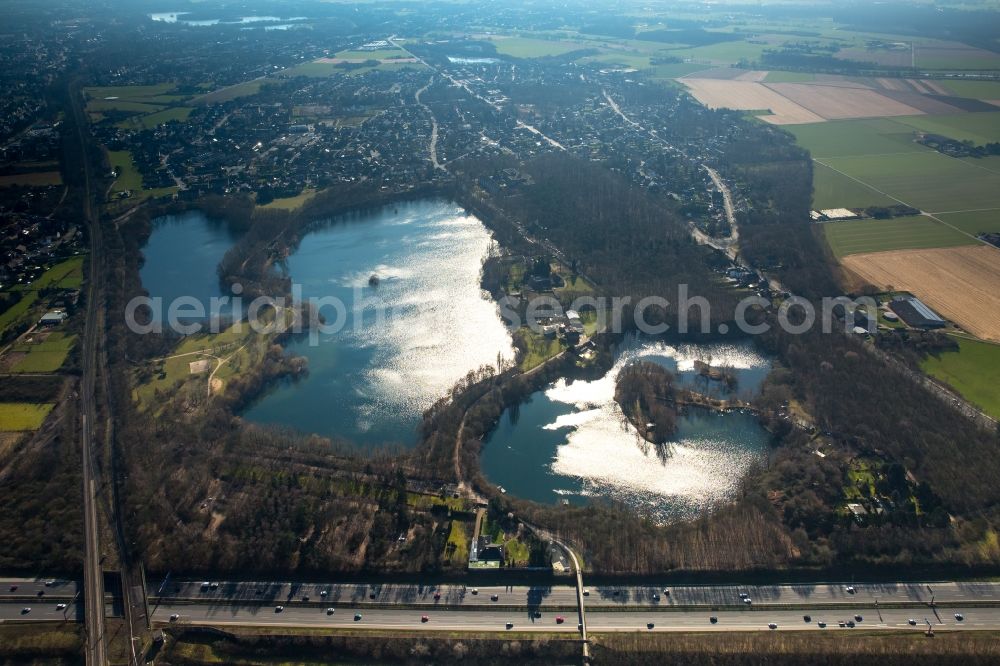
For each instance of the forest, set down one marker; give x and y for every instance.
(645, 393)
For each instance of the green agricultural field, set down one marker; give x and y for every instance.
(380, 54)
(22, 416)
(153, 120)
(902, 233)
(978, 128)
(245, 89)
(525, 47)
(99, 105)
(47, 355)
(834, 190)
(972, 371)
(129, 92)
(723, 53)
(975, 222)
(32, 179)
(19, 310)
(927, 180)
(845, 138)
(64, 275)
(974, 89)
(789, 77)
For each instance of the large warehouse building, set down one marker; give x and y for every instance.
(915, 313)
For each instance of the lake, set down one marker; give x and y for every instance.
(370, 382)
(181, 259)
(571, 441)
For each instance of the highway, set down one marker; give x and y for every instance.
(598, 596)
(597, 622)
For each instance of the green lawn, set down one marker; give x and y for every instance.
(22, 416)
(903, 233)
(99, 105)
(65, 275)
(972, 371)
(381, 54)
(292, 203)
(245, 89)
(926, 180)
(129, 177)
(153, 120)
(976, 222)
(458, 542)
(834, 190)
(129, 92)
(21, 308)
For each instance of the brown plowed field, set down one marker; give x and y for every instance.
(961, 283)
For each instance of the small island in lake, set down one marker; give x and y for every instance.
(645, 391)
(373, 280)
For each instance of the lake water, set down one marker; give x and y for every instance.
(181, 260)
(370, 382)
(570, 441)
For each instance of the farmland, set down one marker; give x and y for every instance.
(974, 222)
(847, 138)
(979, 128)
(962, 283)
(835, 190)
(927, 180)
(526, 47)
(857, 236)
(972, 371)
(42, 351)
(22, 416)
(32, 179)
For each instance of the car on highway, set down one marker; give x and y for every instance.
(437, 596)
(850, 624)
(204, 586)
(850, 589)
(213, 586)
(372, 595)
(772, 625)
(60, 606)
(821, 624)
(807, 618)
(666, 592)
(586, 592)
(912, 622)
(25, 610)
(858, 618)
(13, 588)
(278, 609)
(49, 583)
(330, 611)
(959, 617)
(510, 625)
(560, 619)
(424, 618)
(175, 617)
(323, 593)
(841, 624)
(475, 591)
(713, 619)
(357, 617)
(656, 597)
(748, 601)
(494, 597)
(650, 625)
(305, 598)
(537, 614)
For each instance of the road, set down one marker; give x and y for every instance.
(598, 596)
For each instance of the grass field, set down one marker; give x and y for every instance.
(291, 203)
(45, 352)
(33, 179)
(847, 138)
(835, 190)
(972, 371)
(129, 177)
(381, 54)
(21, 308)
(974, 89)
(903, 233)
(975, 222)
(64, 275)
(526, 47)
(22, 416)
(152, 120)
(789, 77)
(245, 89)
(978, 128)
(927, 180)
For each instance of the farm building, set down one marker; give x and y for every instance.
(915, 313)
